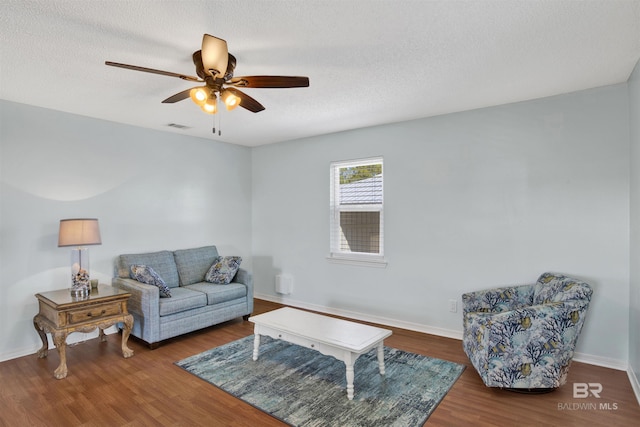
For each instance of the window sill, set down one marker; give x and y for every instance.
(360, 261)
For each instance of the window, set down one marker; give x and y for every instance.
(356, 202)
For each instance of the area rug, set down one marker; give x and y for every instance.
(305, 388)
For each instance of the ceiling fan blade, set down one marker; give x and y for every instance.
(154, 71)
(178, 97)
(269, 81)
(246, 101)
(214, 56)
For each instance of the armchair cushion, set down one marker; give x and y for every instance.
(556, 288)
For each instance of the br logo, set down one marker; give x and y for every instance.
(583, 390)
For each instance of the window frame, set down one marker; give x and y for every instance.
(349, 257)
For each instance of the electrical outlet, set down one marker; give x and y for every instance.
(453, 306)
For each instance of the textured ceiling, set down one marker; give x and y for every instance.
(369, 62)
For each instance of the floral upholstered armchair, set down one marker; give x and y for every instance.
(523, 337)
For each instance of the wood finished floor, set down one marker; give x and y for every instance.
(104, 389)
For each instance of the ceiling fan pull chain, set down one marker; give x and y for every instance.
(218, 121)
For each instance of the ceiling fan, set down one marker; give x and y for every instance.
(214, 67)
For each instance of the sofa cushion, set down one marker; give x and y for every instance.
(193, 264)
(162, 263)
(223, 269)
(182, 299)
(217, 293)
(146, 274)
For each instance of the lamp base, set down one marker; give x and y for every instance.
(81, 291)
(80, 281)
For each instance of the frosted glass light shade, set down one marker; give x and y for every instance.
(230, 100)
(199, 95)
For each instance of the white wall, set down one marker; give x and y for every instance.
(634, 294)
(150, 191)
(472, 200)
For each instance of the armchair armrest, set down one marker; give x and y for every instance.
(498, 299)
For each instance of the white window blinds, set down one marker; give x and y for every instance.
(357, 202)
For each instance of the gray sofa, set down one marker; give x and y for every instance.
(194, 304)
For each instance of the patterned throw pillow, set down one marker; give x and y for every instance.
(147, 275)
(223, 270)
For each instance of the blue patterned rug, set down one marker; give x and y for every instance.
(305, 388)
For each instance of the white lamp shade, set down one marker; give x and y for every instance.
(79, 232)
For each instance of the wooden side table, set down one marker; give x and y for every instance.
(61, 314)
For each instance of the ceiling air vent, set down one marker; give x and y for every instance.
(177, 126)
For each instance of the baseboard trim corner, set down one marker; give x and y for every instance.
(635, 383)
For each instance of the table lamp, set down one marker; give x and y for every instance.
(79, 232)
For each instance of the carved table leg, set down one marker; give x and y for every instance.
(102, 336)
(60, 340)
(44, 350)
(128, 324)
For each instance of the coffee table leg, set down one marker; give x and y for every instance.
(349, 361)
(381, 358)
(256, 346)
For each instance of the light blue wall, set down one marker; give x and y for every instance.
(150, 191)
(472, 200)
(634, 295)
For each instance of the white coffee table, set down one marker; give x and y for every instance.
(342, 339)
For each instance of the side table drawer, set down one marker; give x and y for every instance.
(79, 316)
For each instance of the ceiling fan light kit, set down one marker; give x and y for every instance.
(210, 106)
(214, 67)
(230, 100)
(199, 95)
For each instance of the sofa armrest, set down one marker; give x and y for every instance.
(246, 278)
(144, 303)
(497, 300)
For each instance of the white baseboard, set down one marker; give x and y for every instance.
(605, 362)
(448, 333)
(72, 339)
(14, 354)
(635, 383)
(578, 357)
